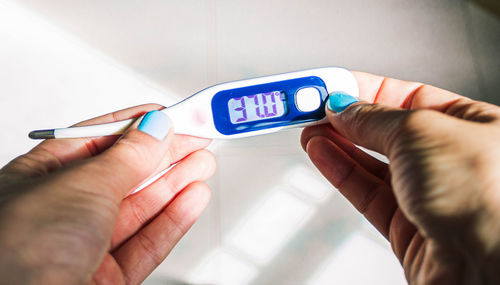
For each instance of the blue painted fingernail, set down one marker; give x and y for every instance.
(338, 101)
(156, 124)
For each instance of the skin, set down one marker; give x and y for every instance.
(65, 213)
(437, 200)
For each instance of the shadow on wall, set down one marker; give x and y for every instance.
(490, 5)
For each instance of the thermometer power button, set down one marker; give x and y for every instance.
(308, 99)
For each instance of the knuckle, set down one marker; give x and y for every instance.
(474, 111)
(369, 116)
(170, 154)
(458, 108)
(170, 182)
(365, 113)
(177, 227)
(359, 116)
(414, 126)
(368, 199)
(139, 212)
(150, 248)
(416, 119)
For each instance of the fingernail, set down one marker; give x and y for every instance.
(156, 124)
(339, 101)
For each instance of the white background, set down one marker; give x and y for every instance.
(272, 219)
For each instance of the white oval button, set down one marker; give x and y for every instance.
(307, 99)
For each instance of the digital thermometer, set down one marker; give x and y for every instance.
(242, 108)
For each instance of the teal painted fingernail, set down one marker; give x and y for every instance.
(338, 101)
(156, 124)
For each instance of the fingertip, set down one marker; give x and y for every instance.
(336, 119)
(339, 107)
(153, 131)
(156, 124)
(195, 197)
(312, 131)
(339, 101)
(322, 151)
(208, 162)
(305, 136)
(204, 190)
(325, 155)
(213, 163)
(315, 148)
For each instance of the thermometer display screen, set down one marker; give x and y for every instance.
(256, 107)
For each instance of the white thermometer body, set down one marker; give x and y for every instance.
(242, 108)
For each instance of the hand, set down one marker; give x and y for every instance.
(65, 213)
(438, 200)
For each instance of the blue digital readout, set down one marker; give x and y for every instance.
(264, 106)
(256, 107)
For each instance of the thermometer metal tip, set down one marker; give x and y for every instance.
(42, 134)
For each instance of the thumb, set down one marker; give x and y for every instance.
(379, 127)
(128, 163)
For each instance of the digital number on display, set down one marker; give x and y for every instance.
(256, 107)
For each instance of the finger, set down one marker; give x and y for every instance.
(403, 94)
(414, 255)
(180, 147)
(68, 150)
(383, 128)
(476, 111)
(109, 272)
(124, 166)
(139, 209)
(414, 95)
(369, 195)
(401, 233)
(140, 255)
(53, 154)
(368, 162)
(43, 162)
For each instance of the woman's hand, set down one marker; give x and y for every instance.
(65, 213)
(438, 201)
